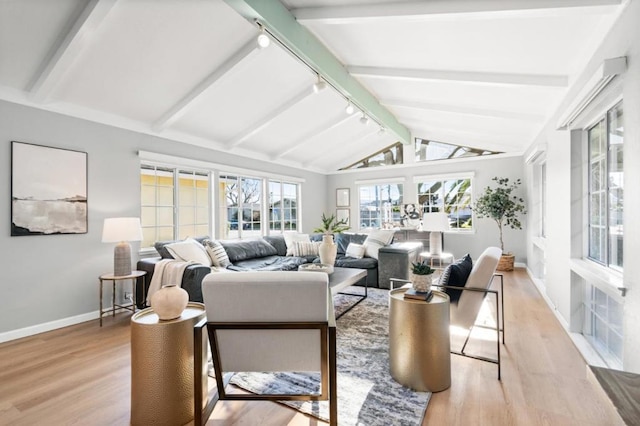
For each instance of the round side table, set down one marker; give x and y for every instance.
(419, 343)
(162, 367)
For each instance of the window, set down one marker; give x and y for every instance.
(174, 204)
(380, 204)
(606, 189)
(603, 325)
(283, 206)
(452, 196)
(385, 157)
(543, 199)
(241, 214)
(427, 150)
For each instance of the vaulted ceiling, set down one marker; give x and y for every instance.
(485, 73)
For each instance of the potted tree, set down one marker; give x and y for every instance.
(328, 249)
(501, 205)
(421, 276)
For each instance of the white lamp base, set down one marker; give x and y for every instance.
(435, 243)
(122, 259)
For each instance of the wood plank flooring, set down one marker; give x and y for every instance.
(80, 375)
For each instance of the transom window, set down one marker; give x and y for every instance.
(452, 196)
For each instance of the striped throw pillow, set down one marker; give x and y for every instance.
(216, 252)
(306, 248)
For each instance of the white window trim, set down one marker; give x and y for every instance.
(446, 176)
(380, 181)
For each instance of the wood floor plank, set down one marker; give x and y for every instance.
(81, 375)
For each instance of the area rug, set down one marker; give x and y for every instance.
(367, 395)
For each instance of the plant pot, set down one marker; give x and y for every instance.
(506, 262)
(421, 283)
(328, 250)
(169, 302)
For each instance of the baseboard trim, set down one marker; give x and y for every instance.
(47, 326)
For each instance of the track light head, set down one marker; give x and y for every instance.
(364, 119)
(263, 39)
(319, 85)
(349, 109)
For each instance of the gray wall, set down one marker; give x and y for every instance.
(52, 281)
(485, 230)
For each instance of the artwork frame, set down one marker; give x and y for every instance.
(343, 214)
(48, 190)
(411, 215)
(342, 197)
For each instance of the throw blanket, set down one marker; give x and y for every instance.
(166, 271)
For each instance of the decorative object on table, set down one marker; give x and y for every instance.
(328, 249)
(169, 302)
(418, 295)
(421, 276)
(316, 267)
(48, 190)
(436, 223)
(121, 230)
(411, 215)
(501, 205)
(342, 197)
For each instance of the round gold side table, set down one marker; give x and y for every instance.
(162, 378)
(419, 343)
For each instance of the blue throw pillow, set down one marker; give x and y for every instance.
(456, 275)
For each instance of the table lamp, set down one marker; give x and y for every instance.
(121, 230)
(435, 223)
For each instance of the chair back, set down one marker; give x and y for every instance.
(264, 298)
(464, 314)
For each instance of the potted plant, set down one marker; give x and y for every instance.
(328, 249)
(421, 276)
(501, 205)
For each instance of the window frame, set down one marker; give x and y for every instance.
(419, 180)
(380, 214)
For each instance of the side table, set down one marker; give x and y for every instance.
(419, 342)
(162, 367)
(443, 259)
(133, 276)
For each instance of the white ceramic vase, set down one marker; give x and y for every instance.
(328, 250)
(421, 283)
(169, 302)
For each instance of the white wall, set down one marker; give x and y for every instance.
(52, 281)
(484, 169)
(623, 40)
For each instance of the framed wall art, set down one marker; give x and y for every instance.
(342, 214)
(342, 197)
(48, 190)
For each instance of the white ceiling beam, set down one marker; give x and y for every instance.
(242, 56)
(464, 110)
(330, 124)
(491, 78)
(270, 117)
(342, 144)
(420, 10)
(68, 48)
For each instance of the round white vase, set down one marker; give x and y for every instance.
(421, 283)
(328, 250)
(169, 302)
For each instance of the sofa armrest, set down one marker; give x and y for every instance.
(146, 264)
(394, 261)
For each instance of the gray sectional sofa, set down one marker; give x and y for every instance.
(269, 254)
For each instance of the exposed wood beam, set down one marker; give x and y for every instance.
(344, 143)
(421, 10)
(492, 78)
(271, 116)
(332, 123)
(249, 50)
(68, 48)
(303, 44)
(464, 110)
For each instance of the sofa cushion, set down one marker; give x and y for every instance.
(456, 275)
(217, 253)
(239, 250)
(292, 237)
(269, 263)
(305, 248)
(355, 250)
(160, 246)
(349, 262)
(342, 240)
(376, 240)
(278, 242)
(189, 250)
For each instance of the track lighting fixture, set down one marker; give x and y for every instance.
(263, 39)
(349, 109)
(364, 119)
(319, 85)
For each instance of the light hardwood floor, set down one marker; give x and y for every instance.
(81, 375)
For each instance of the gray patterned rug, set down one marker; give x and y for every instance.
(367, 395)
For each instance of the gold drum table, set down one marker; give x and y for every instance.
(162, 370)
(419, 343)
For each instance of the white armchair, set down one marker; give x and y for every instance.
(268, 322)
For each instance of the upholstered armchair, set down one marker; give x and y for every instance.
(268, 322)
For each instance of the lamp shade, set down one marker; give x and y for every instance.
(435, 222)
(117, 229)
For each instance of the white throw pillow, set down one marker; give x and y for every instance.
(355, 250)
(189, 250)
(306, 248)
(291, 237)
(377, 239)
(217, 253)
